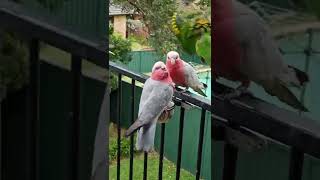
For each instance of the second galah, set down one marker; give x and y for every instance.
(156, 97)
(183, 74)
(246, 51)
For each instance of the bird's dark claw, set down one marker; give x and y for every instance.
(240, 91)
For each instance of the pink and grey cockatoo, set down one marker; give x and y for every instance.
(246, 51)
(155, 99)
(183, 74)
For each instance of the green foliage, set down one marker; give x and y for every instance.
(121, 53)
(156, 15)
(13, 62)
(203, 47)
(193, 29)
(121, 49)
(310, 6)
(314, 7)
(124, 146)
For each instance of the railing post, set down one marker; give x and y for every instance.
(230, 159)
(181, 124)
(132, 121)
(118, 125)
(163, 128)
(145, 166)
(33, 128)
(200, 143)
(296, 164)
(76, 79)
(2, 96)
(230, 162)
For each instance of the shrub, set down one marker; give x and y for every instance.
(124, 146)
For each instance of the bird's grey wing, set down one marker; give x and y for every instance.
(147, 89)
(155, 103)
(191, 75)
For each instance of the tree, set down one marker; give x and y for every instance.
(13, 62)
(156, 15)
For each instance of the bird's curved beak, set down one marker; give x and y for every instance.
(172, 60)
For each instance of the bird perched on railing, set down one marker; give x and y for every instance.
(155, 105)
(246, 51)
(183, 74)
(193, 30)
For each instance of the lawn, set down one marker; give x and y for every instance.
(169, 168)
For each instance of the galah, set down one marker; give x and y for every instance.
(156, 97)
(245, 51)
(183, 74)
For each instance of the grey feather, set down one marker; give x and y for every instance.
(155, 97)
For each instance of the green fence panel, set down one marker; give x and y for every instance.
(142, 61)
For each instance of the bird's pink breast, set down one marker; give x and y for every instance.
(177, 73)
(227, 51)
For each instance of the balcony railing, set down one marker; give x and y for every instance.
(241, 123)
(179, 99)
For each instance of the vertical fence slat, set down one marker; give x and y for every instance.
(230, 162)
(133, 82)
(145, 166)
(76, 80)
(296, 164)
(1, 98)
(34, 109)
(200, 144)
(182, 112)
(118, 125)
(162, 133)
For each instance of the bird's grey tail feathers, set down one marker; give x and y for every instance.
(198, 90)
(135, 126)
(301, 76)
(281, 91)
(145, 138)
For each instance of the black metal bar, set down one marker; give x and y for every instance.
(162, 135)
(34, 109)
(76, 90)
(200, 145)
(0, 137)
(230, 162)
(118, 125)
(133, 84)
(2, 96)
(145, 166)
(182, 112)
(269, 120)
(296, 164)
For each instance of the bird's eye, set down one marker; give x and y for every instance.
(157, 67)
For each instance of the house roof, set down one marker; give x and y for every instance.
(118, 10)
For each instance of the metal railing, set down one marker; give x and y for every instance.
(179, 99)
(236, 122)
(14, 17)
(245, 120)
(37, 30)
